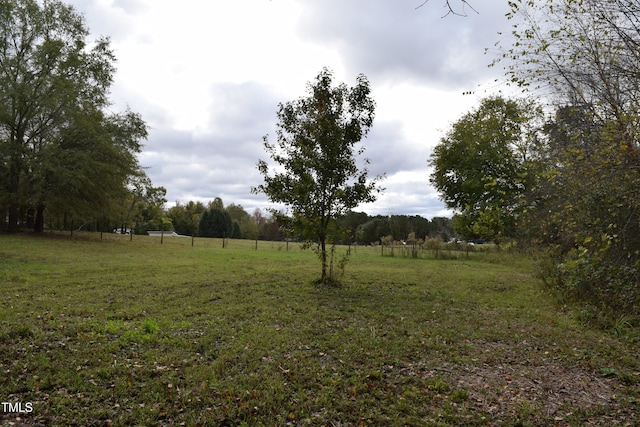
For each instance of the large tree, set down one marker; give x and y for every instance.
(316, 153)
(59, 149)
(484, 164)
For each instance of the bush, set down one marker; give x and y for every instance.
(606, 288)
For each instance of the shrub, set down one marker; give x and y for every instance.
(607, 288)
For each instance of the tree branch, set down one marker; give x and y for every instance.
(451, 11)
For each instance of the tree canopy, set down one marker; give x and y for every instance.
(60, 150)
(316, 152)
(484, 164)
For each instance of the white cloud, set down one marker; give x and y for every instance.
(394, 41)
(208, 76)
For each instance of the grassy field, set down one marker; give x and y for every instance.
(113, 333)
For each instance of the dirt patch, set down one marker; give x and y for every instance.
(544, 389)
(521, 382)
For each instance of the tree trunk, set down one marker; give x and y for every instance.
(13, 217)
(323, 257)
(38, 225)
(15, 170)
(14, 187)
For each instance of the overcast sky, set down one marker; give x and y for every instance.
(207, 77)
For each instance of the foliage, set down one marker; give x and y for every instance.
(316, 151)
(583, 51)
(142, 207)
(372, 231)
(350, 222)
(400, 227)
(215, 222)
(485, 164)
(186, 217)
(587, 209)
(186, 220)
(609, 288)
(586, 54)
(60, 150)
(243, 226)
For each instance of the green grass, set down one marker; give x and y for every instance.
(113, 332)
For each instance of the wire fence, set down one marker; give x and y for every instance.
(429, 249)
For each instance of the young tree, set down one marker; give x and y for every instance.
(316, 153)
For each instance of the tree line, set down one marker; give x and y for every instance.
(214, 219)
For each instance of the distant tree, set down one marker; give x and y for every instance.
(350, 223)
(272, 229)
(141, 207)
(247, 227)
(400, 227)
(215, 223)
(260, 220)
(316, 151)
(485, 163)
(372, 231)
(441, 227)
(216, 204)
(149, 210)
(235, 232)
(419, 226)
(186, 217)
(204, 225)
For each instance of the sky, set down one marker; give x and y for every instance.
(207, 77)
